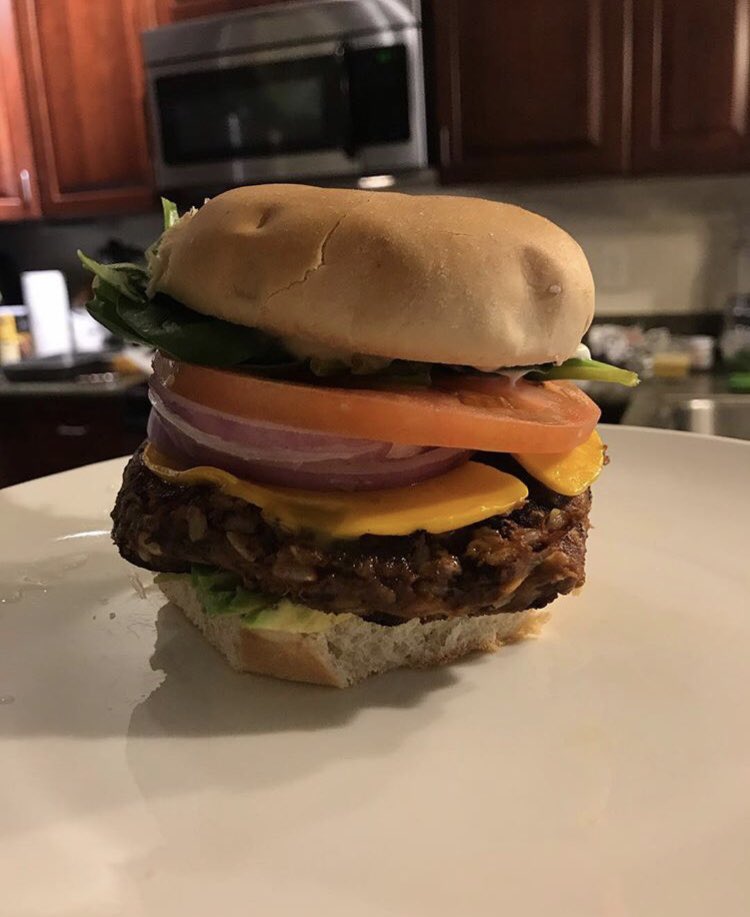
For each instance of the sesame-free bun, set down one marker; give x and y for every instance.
(351, 649)
(434, 278)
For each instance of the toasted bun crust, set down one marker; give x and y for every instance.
(433, 278)
(352, 649)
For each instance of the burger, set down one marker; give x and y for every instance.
(365, 449)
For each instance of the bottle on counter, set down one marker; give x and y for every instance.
(10, 342)
(701, 350)
(670, 364)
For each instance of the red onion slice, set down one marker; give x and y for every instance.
(273, 454)
(267, 441)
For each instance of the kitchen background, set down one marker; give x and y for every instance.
(626, 123)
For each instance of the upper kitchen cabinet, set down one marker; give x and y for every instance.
(84, 77)
(18, 189)
(690, 85)
(175, 10)
(533, 89)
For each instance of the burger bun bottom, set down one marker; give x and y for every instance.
(352, 649)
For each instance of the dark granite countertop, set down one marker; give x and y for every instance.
(61, 389)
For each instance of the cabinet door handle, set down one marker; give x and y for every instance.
(71, 429)
(25, 179)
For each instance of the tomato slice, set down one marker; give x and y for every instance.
(463, 412)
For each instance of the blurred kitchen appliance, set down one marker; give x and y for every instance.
(309, 90)
(45, 295)
(10, 342)
(10, 281)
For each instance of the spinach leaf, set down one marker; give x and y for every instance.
(187, 335)
(121, 304)
(128, 279)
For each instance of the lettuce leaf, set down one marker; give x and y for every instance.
(171, 213)
(222, 593)
(585, 370)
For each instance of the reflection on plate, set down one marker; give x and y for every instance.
(600, 770)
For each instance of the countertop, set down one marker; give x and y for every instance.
(62, 389)
(647, 400)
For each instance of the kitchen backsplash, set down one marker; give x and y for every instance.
(655, 245)
(664, 246)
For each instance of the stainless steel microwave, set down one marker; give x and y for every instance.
(311, 90)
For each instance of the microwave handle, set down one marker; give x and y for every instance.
(348, 145)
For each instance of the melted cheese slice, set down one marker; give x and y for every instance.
(459, 497)
(568, 473)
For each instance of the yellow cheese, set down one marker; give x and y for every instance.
(568, 473)
(459, 497)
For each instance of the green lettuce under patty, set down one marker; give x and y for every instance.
(121, 303)
(222, 593)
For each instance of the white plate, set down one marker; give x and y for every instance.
(600, 770)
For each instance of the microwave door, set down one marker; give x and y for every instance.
(386, 86)
(263, 116)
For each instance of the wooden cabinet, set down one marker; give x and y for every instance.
(46, 433)
(531, 89)
(84, 77)
(550, 88)
(690, 85)
(19, 197)
(176, 10)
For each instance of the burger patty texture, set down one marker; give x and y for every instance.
(506, 563)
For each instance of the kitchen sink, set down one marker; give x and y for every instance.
(718, 415)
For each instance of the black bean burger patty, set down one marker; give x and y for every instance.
(506, 563)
